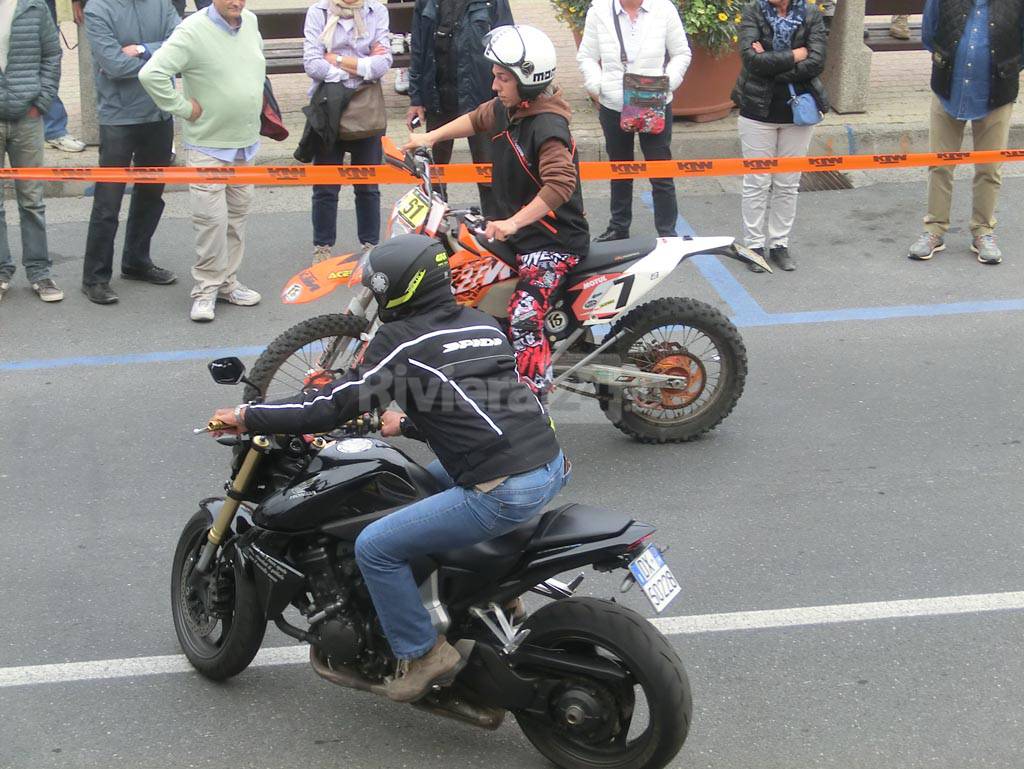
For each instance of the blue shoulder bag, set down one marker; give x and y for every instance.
(805, 108)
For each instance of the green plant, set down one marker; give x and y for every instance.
(572, 13)
(711, 24)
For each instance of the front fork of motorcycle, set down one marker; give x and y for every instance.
(235, 494)
(363, 305)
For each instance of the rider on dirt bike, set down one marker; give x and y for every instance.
(536, 183)
(451, 369)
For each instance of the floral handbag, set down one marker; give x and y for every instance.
(643, 96)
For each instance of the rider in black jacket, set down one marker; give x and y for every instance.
(452, 370)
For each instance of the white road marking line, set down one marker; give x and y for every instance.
(847, 612)
(132, 667)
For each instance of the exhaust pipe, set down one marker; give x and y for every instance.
(443, 702)
(343, 677)
(447, 702)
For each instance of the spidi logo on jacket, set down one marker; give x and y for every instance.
(462, 344)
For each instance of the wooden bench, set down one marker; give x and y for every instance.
(876, 34)
(281, 29)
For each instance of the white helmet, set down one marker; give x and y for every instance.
(524, 51)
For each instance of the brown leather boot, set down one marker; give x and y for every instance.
(413, 678)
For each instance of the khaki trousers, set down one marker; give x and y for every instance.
(946, 134)
(768, 205)
(219, 212)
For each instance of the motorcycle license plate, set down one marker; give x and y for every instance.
(413, 207)
(655, 578)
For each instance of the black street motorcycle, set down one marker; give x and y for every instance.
(590, 682)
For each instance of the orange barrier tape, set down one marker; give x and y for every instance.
(468, 172)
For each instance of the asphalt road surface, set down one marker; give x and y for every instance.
(865, 494)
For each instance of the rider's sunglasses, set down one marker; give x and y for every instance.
(526, 67)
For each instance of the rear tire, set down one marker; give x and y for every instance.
(584, 624)
(283, 368)
(685, 336)
(217, 646)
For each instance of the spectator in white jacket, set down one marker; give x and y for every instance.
(654, 43)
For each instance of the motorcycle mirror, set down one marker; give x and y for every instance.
(227, 370)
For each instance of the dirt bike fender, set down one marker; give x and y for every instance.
(612, 294)
(321, 279)
(607, 295)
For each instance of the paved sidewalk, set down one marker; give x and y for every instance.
(896, 120)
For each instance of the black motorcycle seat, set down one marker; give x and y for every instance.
(614, 252)
(575, 523)
(567, 525)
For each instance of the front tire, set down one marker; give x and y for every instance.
(296, 358)
(604, 628)
(220, 641)
(684, 338)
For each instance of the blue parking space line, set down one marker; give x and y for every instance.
(168, 356)
(745, 309)
(884, 313)
(744, 321)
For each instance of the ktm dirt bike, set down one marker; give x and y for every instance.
(590, 682)
(668, 370)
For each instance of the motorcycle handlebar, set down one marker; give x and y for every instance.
(363, 424)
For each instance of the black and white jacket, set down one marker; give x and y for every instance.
(453, 372)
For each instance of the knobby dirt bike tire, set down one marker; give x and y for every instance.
(651, 660)
(295, 338)
(675, 311)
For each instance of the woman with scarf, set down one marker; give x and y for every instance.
(782, 43)
(347, 42)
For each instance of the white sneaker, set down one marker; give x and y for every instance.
(202, 309)
(67, 143)
(397, 44)
(240, 295)
(402, 81)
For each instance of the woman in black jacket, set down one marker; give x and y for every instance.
(782, 43)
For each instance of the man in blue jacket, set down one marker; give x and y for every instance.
(977, 48)
(123, 35)
(448, 74)
(30, 62)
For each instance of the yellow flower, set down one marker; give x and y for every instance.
(738, 19)
(735, 39)
(723, 17)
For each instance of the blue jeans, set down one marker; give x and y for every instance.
(22, 141)
(55, 121)
(363, 152)
(454, 518)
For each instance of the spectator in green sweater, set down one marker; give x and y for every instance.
(218, 52)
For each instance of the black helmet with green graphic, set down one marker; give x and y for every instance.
(408, 274)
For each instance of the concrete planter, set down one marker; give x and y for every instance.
(704, 94)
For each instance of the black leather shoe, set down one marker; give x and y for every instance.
(100, 293)
(609, 235)
(780, 255)
(756, 267)
(152, 274)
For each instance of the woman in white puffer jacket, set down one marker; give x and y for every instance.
(655, 44)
